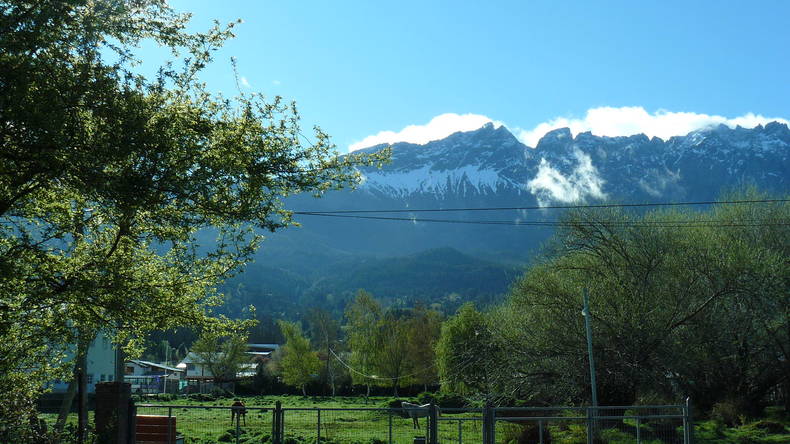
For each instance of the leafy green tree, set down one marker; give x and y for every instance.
(465, 352)
(362, 317)
(424, 328)
(683, 303)
(299, 363)
(391, 355)
(224, 355)
(108, 180)
(325, 332)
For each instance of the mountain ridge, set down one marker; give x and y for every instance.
(491, 160)
(326, 259)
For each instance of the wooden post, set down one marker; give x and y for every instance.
(113, 411)
(433, 424)
(81, 404)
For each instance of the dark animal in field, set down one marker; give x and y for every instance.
(238, 411)
(415, 411)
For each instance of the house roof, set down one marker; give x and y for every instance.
(264, 346)
(150, 364)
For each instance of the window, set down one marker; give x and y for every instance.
(102, 377)
(190, 366)
(129, 370)
(90, 378)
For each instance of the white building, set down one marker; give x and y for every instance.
(101, 365)
(151, 377)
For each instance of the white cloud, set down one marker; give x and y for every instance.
(628, 120)
(439, 127)
(244, 82)
(551, 185)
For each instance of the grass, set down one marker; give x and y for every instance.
(200, 423)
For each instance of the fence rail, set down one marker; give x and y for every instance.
(661, 424)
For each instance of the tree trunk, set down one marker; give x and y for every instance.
(65, 405)
(80, 362)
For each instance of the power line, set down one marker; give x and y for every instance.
(663, 224)
(364, 375)
(552, 207)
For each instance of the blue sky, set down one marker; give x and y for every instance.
(363, 67)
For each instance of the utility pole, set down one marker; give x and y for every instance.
(587, 315)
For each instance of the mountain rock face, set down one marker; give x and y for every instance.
(489, 167)
(562, 168)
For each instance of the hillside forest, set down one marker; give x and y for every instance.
(683, 303)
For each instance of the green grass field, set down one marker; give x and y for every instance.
(352, 423)
(350, 420)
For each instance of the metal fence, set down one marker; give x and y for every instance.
(214, 424)
(668, 424)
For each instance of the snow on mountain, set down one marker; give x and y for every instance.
(491, 161)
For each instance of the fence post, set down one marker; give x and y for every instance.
(169, 428)
(489, 424)
(688, 419)
(276, 426)
(540, 431)
(318, 437)
(390, 426)
(639, 431)
(131, 430)
(484, 414)
(433, 424)
(460, 432)
(238, 420)
(589, 425)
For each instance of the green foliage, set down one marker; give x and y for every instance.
(391, 347)
(445, 400)
(221, 354)
(391, 352)
(363, 315)
(466, 352)
(109, 180)
(298, 363)
(680, 306)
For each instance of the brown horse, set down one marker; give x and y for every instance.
(238, 411)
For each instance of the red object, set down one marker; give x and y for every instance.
(155, 429)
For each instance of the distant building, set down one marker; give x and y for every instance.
(261, 352)
(151, 377)
(101, 364)
(194, 369)
(196, 373)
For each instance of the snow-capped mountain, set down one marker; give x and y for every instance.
(489, 167)
(484, 161)
(328, 258)
(491, 161)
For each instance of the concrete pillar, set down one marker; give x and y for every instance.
(113, 424)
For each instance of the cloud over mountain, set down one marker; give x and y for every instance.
(439, 127)
(601, 121)
(549, 184)
(629, 120)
